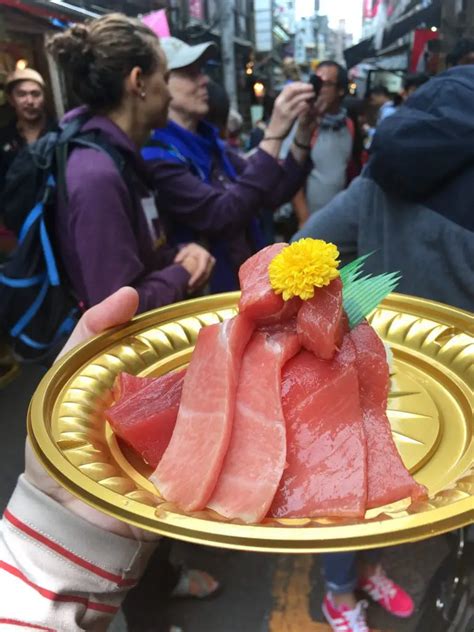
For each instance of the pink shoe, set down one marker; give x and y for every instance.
(343, 619)
(388, 594)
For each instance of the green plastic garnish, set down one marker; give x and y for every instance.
(362, 294)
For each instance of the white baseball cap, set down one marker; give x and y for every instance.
(179, 54)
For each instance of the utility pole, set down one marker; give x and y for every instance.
(227, 23)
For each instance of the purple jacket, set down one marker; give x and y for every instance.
(224, 209)
(104, 238)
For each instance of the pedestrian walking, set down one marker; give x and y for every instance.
(332, 145)
(207, 191)
(107, 229)
(412, 204)
(381, 98)
(25, 92)
(412, 82)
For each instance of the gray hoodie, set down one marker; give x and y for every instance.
(414, 203)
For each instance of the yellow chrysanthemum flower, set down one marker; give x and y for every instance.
(302, 266)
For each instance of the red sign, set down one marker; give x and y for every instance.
(419, 61)
(196, 9)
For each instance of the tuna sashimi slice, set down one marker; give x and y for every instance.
(326, 473)
(190, 467)
(126, 385)
(388, 478)
(258, 300)
(319, 321)
(256, 456)
(145, 418)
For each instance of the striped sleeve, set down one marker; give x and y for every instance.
(58, 571)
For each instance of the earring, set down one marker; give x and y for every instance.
(143, 94)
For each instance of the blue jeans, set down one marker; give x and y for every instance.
(340, 569)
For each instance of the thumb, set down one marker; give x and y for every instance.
(116, 309)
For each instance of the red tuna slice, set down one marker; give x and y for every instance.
(126, 384)
(388, 478)
(326, 473)
(258, 300)
(319, 321)
(254, 462)
(190, 467)
(145, 420)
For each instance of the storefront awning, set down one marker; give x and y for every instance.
(82, 9)
(430, 16)
(37, 10)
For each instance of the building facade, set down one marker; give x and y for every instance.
(230, 24)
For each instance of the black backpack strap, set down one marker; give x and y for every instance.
(96, 140)
(93, 140)
(99, 142)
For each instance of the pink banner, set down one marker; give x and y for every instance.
(196, 9)
(371, 8)
(157, 22)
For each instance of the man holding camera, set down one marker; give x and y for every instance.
(332, 144)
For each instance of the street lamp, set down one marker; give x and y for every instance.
(258, 90)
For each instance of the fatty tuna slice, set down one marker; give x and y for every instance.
(145, 417)
(319, 321)
(326, 473)
(190, 467)
(388, 478)
(258, 300)
(254, 462)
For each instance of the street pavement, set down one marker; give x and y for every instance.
(259, 592)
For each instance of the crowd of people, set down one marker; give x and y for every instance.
(180, 217)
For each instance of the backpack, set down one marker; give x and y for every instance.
(38, 309)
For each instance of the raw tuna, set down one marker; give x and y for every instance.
(258, 301)
(145, 418)
(126, 385)
(256, 456)
(319, 321)
(188, 471)
(388, 478)
(326, 473)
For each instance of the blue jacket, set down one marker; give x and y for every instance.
(414, 202)
(200, 199)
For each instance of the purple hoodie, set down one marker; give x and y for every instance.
(222, 208)
(104, 237)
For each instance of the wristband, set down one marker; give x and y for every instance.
(274, 137)
(301, 145)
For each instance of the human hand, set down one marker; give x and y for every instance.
(308, 121)
(114, 310)
(311, 117)
(292, 102)
(198, 262)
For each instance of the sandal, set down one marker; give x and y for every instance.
(196, 584)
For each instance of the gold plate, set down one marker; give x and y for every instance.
(430, 409)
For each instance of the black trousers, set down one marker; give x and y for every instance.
(145, 607)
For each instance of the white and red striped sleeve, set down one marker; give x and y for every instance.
(58, 571)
